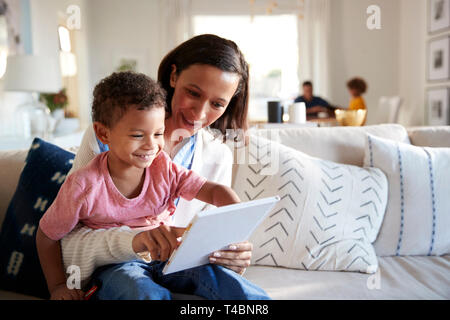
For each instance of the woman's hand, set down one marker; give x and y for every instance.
(236, 258)
(159, 242)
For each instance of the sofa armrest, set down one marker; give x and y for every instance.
(11, 165)
(437, 136)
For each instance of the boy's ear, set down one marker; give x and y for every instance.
(173, 76)
(102, 132)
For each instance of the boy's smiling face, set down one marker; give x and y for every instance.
(136, 138)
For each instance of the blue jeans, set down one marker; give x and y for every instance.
(137, 280)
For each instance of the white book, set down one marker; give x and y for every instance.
(216, 229)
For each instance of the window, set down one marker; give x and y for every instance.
(67, 58)
(269, 43)
(69, 71)
(64, 39)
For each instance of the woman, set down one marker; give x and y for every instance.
(206, 79)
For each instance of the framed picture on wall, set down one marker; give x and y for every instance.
(438, 15)
(438, 106)
(438, 59)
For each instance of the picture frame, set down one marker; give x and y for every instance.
(438, 105)
(438, 15)
(438, 59)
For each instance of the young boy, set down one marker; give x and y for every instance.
(134, 184)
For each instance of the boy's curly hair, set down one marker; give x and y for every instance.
(114, 94)
(357, 84)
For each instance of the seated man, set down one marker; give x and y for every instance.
(314, 105)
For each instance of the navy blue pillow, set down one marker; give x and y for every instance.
(46, 168)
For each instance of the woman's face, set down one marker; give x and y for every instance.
(201, 95)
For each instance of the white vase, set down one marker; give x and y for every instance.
(297, 112)
(67, 126)
(58, 115)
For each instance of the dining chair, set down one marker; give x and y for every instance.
(390, 107)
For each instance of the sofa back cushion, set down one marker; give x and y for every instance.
(339, 144)
(438, 136)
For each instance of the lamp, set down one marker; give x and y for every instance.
(34, 74)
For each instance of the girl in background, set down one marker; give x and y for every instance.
(357, 87)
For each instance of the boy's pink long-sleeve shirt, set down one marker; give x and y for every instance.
(89, 196)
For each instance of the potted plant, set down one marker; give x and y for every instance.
(56, 102)
(64, 121)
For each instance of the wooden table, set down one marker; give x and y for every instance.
(325, 122)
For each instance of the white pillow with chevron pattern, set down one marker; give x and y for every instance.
(329, 213)
(417, 220)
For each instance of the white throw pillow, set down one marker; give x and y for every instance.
(417, 219)
(328, 215)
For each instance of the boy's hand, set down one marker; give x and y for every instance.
(159, 242)
(61, 292)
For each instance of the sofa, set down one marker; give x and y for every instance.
(398, 277)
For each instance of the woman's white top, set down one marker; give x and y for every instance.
(88, 248)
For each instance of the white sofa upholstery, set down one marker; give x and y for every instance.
(408, 277)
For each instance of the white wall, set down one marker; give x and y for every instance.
(44, 26)
(392, 60)
(122, 28)
(357, 51)
(412, 57)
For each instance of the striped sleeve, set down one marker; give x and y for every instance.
(91, 248)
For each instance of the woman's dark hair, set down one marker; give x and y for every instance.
(357, 84)
(209, 49)
(114, 94)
